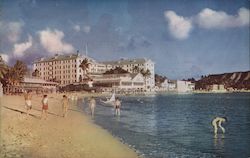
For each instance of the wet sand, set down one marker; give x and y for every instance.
(75, 136)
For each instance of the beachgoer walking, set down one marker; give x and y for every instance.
(117, 106)
(217, 122)
(45, 106)
(27, 98)
(65, 105)
(92, 104)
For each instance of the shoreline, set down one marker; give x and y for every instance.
(73, 136)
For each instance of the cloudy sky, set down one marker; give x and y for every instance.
(185, 38)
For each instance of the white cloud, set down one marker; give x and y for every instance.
(77, 28)
(86, 29)
(52, 41)
(5, 57)
(209, 19)
(20, 48)
(11, 30)
(179, 27)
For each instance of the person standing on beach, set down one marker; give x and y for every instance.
(65, 105)
(117, 107)
(217, 122)
(45, 106)
(92, 104)
(27, 98)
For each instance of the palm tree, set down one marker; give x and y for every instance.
(20, 69)
(136, 69)
(36, 73)
(146, 74)
(3, 68)
(16, 73)
(10, 77)
(85, 66)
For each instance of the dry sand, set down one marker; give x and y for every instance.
(72, 137)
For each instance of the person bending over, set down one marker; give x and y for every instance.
(217, 122)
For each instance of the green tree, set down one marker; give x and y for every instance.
(136, 69)
(3, 68)
(16, 73)
(145, 74)
(36, 73)
(85, 66)
(80, 78)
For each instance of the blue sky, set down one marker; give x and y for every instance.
(185, 38)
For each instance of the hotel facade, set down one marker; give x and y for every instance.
(65, 68)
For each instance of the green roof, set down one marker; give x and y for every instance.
(126, 61)
(58, 57)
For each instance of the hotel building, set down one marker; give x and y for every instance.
(65, 68)
(130, 64)
(62, 68)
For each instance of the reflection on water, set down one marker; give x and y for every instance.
(219, 143)
(180, 125)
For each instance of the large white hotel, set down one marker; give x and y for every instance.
(66, 70)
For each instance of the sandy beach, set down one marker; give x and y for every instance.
(75, 136)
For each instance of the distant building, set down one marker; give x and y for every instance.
(184, 86)
(172, 86)
(216, 88)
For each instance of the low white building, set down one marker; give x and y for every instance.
(34, 84)
(217, 88)
(184, 86)
(172, 86)
(126, 82)
(134, 66)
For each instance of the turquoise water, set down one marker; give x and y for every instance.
(180, 125)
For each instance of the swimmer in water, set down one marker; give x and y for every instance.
(217, 122)
(92, 104)
(117, 107)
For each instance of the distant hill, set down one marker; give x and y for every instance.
(236, 80)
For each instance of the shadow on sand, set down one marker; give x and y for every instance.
(23, 112)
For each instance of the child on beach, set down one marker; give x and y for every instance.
(65, 105)
(92, 103)
(117, 106)
(45, 106)
(27, 98)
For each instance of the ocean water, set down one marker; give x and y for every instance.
(180, 125)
